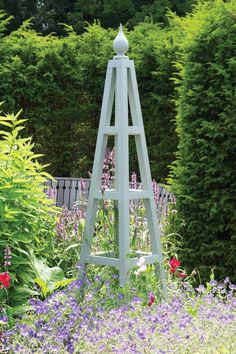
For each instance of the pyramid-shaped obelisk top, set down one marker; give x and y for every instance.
(120, 45)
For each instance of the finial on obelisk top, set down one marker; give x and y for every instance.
(120, 45)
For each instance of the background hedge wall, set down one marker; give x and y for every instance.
(59, 84)
(205, 171)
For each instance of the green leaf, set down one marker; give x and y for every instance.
(64, 282)
(20, 295)
(6, 124)
(21, 238)
(21, 251)
(17, 260)
(20, 310)
(3, 242)
(20, 121)
(49, 275)
(43, 285)
(75, 245)
(2, 132)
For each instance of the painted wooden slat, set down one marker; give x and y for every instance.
(60, 192)
(67, 191)
(101, 260)
(73, 193)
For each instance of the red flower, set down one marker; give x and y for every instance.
(172, 270)
(182, 275)
(174, 263)
(5, 280)
(151, 299)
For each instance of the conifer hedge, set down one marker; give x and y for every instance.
(154, 52)
(58, 82)
(205, 170)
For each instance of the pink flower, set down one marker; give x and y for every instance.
(5, 280)
(151, 299)
(182, 275)
(174, 263)
(172, 270)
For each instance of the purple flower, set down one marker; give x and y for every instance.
(201, 289)
(232, 287)
(221, 286)
(79, 266)
(226, 280)
(97, 278)
(213, 282)
(4, 319)
(121, 296)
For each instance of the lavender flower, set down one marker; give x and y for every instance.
(82, 186)
(106, 180)
(7, 256)
(134, 181)
(52, 193)
(156, 192)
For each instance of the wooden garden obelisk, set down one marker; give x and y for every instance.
(121, 87)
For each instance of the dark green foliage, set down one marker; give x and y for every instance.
(46, 15)
(38, 75)
(20, 10)
(154, 54)
(156, 10)
(59, 84)
(205, 172)
(4, 22)
(49, 14)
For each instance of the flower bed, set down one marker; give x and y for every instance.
(191, 321)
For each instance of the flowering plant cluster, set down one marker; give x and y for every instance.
(174, 264)
(191, 321)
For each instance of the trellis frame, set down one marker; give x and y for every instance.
(121, 88)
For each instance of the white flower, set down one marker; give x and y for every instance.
(143, 268)
(141, 261)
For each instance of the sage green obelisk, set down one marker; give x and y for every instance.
(121, 89)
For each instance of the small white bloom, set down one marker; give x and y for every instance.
(143, 268)
(141, 261)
